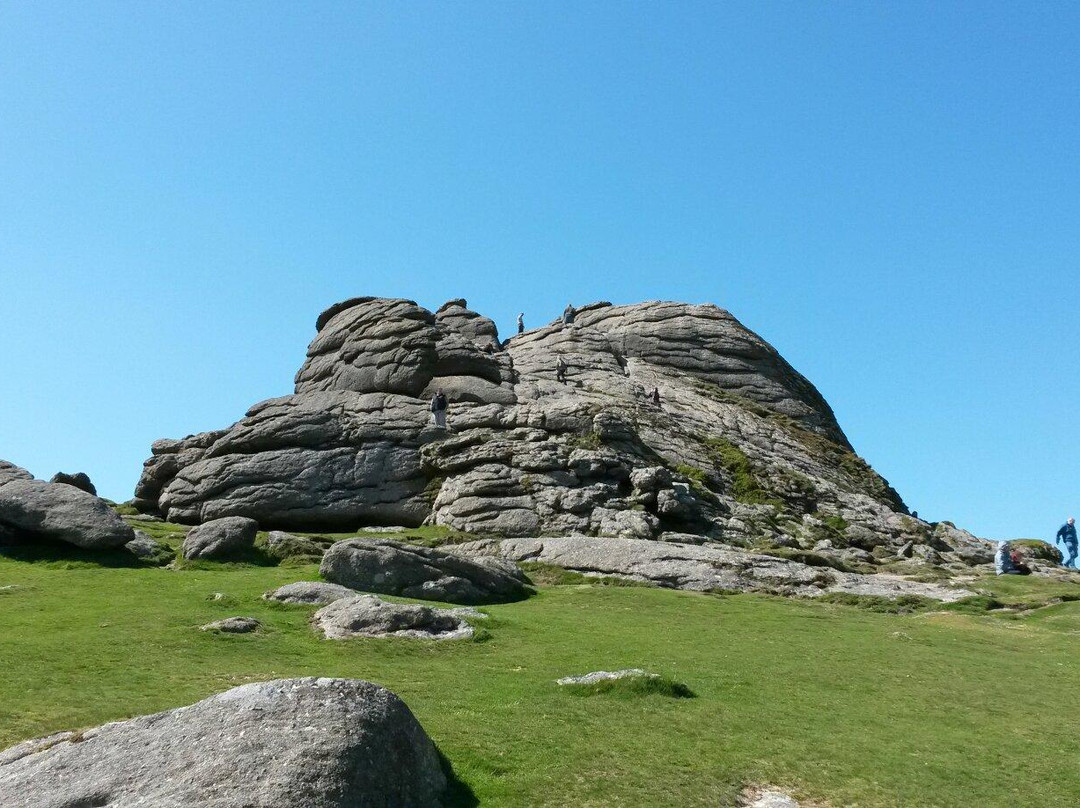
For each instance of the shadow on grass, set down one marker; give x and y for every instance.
(59, 554)
(458, 794)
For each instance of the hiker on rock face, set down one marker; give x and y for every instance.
(1008, 561)
(438, 408)
(1067, 533)
(521, 323)
(568, 314)
(561, 366)
(655, 395)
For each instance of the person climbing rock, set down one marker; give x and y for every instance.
(1008, 561)
(655, 396)
(438, 408)
(561, 366)
(1067, 533)
(568, 314)
(521, 323)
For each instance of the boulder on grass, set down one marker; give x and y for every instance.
(227, 537)
(290, 743)
(150, 549)
(310, 592)
(34, 510)
(233, 625)
(394, 568)
(369, 616)
(283, 545)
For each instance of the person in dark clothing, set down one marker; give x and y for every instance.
(1067, 533)
(438, 408)
(655, 396)
(561, 366)
(568, 314)
(521, 323)
(1008, 561)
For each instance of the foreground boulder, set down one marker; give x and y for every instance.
(233, 625)
(221, 538)
(393, 568)
(310, 592)
(290, 743)
(369, 616)
(701, 568)
(33, 510)
(79, 479)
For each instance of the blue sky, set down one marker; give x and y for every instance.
(888, 192)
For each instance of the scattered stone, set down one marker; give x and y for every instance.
(467, 612)
(767, 798)
(370, 616)
(310, 592)
(33, 510)
(601, 676)
(285, 545)
(907, 551)
(150, 549)
(393, 568)
(145, 517)
(79, 479)
(221, 538)
(218, 596)
(290, 743)
(233, 625)
(8, 589)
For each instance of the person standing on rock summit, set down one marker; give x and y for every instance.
(521, 323)
(1067, 533)
(438, 408)
(568, 314)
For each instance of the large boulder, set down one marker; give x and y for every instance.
(290, 743)
(393, 568)
(79, 479)
(370, 616)
(33, 510)
(228, 537)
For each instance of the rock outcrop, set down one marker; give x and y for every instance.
(393, 568)
(34, 510)
(227, 537)
(700, 568)
(79, 479)
(290, 743)
(370, 616)
(742, 448)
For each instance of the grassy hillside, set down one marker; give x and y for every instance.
(838, 703)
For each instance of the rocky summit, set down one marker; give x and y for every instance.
(739, 449)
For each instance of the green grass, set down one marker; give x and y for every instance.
(838, 703)
(632, 687)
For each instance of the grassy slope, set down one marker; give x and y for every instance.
(836, 702)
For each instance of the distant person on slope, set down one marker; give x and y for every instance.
(1067, 533)
(438, 408)
(521, 323)
(568, 314)
(561, 366)
(1008, 561)
(655, 396)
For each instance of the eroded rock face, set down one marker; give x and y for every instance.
(370, 616)
(700, 568)
(741, 449)
(290, 743)
(227, 537)
(394, 568)
(33, 510)
(79, 479)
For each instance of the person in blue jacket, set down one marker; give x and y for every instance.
(1067, 533)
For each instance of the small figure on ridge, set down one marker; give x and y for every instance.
(438, 408)
(1008, 561)
(568, 314)
(561, 366)
(521, 323)
(1067, 533)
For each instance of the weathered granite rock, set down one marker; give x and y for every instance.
(742, 448)
(79, 479)
(701, 568)
(310, 592)
(285, 545)
(290, 743)
(233, 625)
(150, 549)
(370, 616)
(33, 510)
(604, 676)
(393, 568)
(227, 537)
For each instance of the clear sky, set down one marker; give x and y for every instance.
(887, 192)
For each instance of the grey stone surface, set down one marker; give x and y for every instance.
(310, 592)
(233, 625)
(79, 479)
(33, 510)
(285, 545)
(700, 568)
(394, 568)
(370, 616)
(150, 549)
(220, 538)
(602, 676)
(290, 743)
